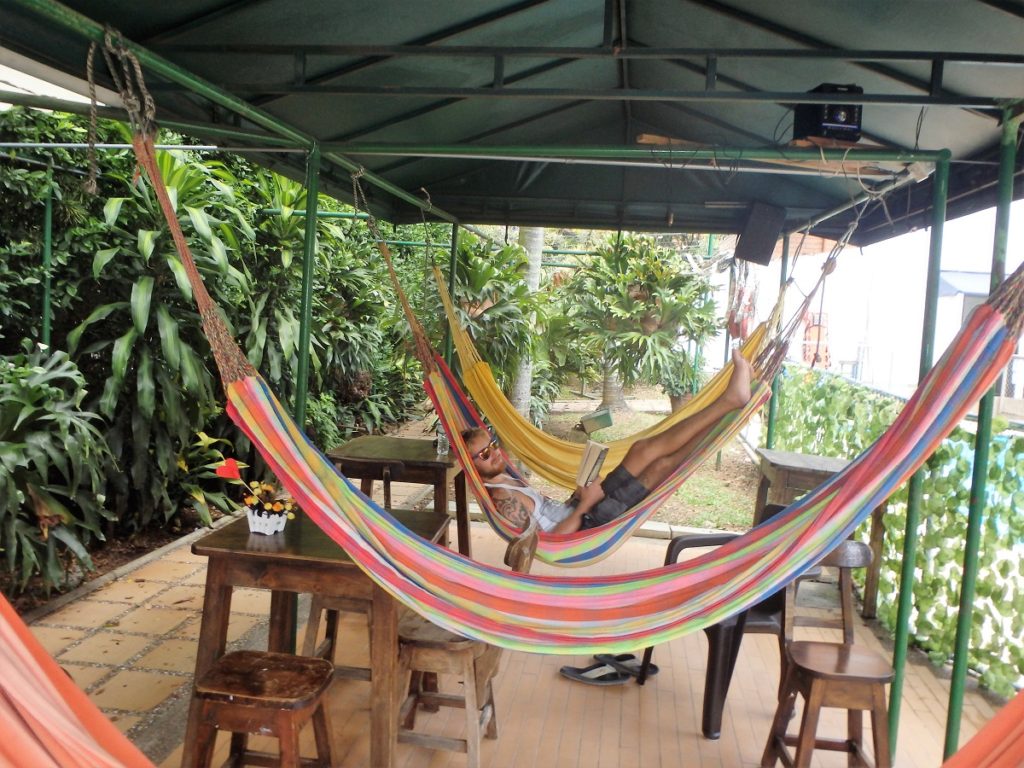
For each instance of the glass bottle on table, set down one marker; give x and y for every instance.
(442, 441)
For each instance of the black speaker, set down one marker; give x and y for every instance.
(829, 121)
(760, 232)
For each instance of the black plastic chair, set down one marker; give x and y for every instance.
(725, 637)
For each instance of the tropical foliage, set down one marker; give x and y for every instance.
(825, 414)
(51, 457)
(123, 313)
(641, 307)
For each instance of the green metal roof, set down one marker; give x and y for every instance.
(530, 112)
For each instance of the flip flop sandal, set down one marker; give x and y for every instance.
(595, 674)
(626, 663)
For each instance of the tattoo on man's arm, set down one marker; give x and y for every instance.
(513, 510)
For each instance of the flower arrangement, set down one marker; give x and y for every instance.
(267, 508)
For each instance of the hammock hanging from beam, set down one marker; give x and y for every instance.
(585, 546)
(551, 457)
(556, 459)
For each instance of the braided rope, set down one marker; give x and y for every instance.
(141, 108)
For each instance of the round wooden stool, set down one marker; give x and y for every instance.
(272, 694)
(839, 675)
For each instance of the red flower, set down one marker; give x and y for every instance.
(229, 470)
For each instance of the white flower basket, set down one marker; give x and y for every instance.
(266, 523)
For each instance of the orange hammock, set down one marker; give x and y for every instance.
(46, 719)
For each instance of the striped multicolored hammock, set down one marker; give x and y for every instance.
(574, 615)
(551, 457)
(46, 719)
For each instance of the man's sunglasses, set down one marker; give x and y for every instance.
(485, 452)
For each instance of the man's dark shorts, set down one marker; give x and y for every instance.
(621, 492)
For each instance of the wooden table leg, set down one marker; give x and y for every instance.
(762, 499)
(213, 635)
(384, 679)
(283, 622)
(441, 494)
(462, 514)
(213, 630)
(874, 570)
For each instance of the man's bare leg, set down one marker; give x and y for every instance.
(675, 441)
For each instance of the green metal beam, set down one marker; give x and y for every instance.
(306, 307)
(982, 444)
(915, 491)
(667, 155)
(115, 113)
(47, 258)
(773, 404)
(75, 22)
(453, 263)
(319, 214)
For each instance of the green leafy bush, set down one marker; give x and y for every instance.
(825, 414)
(52, 454)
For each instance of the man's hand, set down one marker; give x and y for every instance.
(589, 495)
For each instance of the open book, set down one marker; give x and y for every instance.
(590, 464)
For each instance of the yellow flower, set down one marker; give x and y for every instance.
(291, 515)
(250, 500)
(267, 506)
(254, 485)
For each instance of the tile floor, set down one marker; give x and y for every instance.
(131, 645)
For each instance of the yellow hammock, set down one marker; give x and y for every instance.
(550, 457)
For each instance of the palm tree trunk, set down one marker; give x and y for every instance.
(532, 239)
(612, 396)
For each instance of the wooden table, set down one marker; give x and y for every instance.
(303, 559)
(786, 476)
(370, 456)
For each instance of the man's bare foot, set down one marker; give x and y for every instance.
(737, 392)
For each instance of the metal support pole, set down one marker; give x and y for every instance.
(47, 258)
(982, 444)
(452, 264)
(306, 308)
(914, 491)
(773, 404)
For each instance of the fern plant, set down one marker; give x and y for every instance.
(51, 453)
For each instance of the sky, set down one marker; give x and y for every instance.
(874, 301)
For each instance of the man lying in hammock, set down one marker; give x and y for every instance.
(647, 463)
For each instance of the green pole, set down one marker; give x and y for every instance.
(453, 261)
(908, 568)
(306, 308)
(319, 214)
(47, 257)
(982, 443)
(773, 404)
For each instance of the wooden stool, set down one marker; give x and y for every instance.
(272, 694)
(428, 650)
(831, 675)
